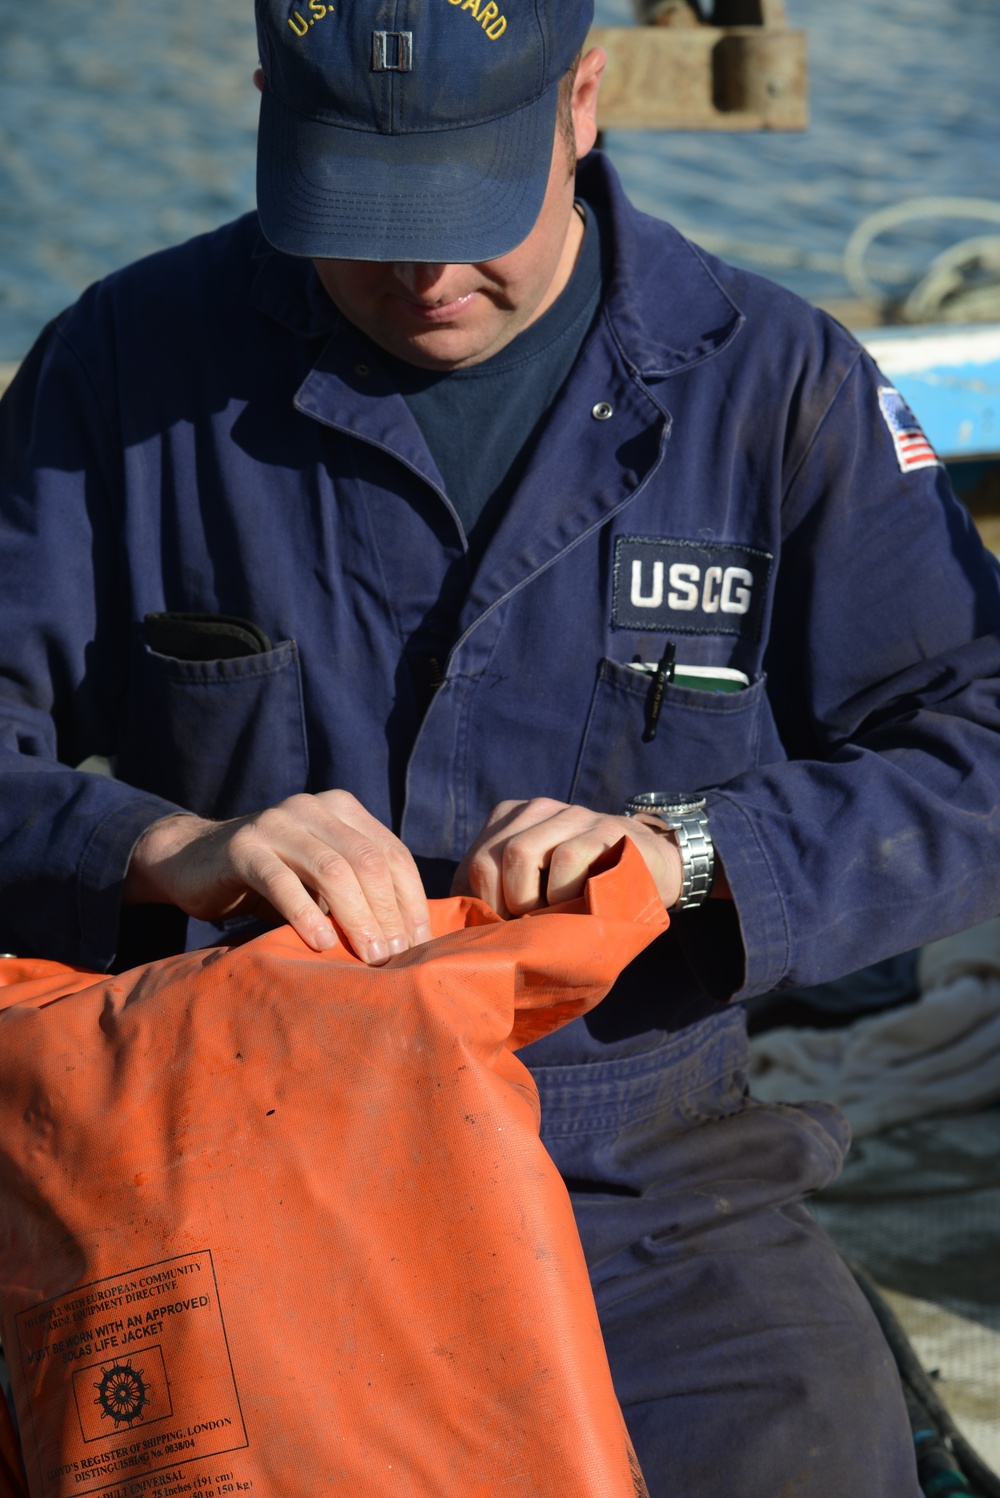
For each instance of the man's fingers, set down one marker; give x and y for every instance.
(524, 870)
(357, 885)
(292, 902)
(313, 859)
(572, 861)
(480, 873)
(509, 865)
(533, 853)
(410, 893)
(385, 872)
(551, 862)
(502, 865)
(365, 878)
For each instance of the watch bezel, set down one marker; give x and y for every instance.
(676, 803)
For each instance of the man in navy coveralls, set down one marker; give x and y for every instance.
(406, 534)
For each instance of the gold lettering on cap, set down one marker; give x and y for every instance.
(487, 13)
(317, 10)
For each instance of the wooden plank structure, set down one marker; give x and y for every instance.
(747, 71)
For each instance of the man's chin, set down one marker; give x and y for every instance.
(445, 348)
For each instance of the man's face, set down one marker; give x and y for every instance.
(450, 316)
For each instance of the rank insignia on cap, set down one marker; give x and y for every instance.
(912, 448)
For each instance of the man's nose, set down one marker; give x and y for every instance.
(418, 276)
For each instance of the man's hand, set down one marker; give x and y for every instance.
(302, 861)
(533, 853)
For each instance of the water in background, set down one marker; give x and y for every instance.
(125, 127)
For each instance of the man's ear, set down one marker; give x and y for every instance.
(258, 79)
(585, 91)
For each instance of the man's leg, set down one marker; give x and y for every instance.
(745, 1359)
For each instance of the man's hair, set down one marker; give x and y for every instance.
(564, 112)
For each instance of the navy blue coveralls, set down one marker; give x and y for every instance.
(204, 433)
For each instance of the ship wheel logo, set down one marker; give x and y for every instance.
(122, 1393)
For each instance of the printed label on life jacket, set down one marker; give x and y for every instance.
(129, 1380)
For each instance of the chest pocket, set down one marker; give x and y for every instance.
(702, 738)
(219, 737)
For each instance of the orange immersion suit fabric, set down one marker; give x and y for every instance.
(275, 1222)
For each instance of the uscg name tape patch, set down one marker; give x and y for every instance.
(913, 450)
(689, 587)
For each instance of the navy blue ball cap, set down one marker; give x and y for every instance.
(409, 129)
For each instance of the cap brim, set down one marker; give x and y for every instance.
(442, 196)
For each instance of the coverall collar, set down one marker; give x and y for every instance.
(666, 311)
(662, 313)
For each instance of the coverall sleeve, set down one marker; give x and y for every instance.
(65, 836)
(880, 832)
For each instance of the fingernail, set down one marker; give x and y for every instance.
(422, 934)
(376, 953)
(398, 944)
(323, 937)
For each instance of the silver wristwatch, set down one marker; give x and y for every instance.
(688, 818)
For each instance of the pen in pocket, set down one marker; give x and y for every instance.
(662, 673)
(699, 678)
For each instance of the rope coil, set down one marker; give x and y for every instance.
(962, 284)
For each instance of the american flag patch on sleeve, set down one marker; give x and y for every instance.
(912, 448)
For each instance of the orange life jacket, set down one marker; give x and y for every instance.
(275, 1222)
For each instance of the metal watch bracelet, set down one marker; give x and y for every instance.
(686, 816)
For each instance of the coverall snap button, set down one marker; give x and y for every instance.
(602, 411)
(362, 369)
